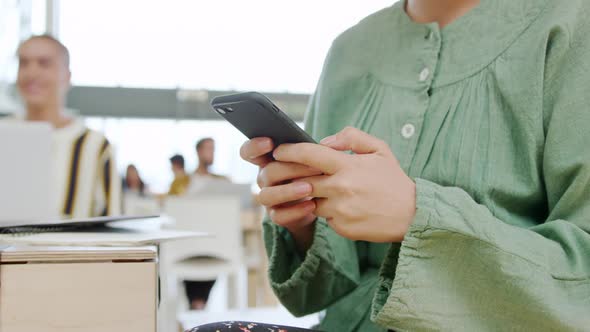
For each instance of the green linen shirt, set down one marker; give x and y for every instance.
(491, 117)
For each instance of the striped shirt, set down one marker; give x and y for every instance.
(90, 185)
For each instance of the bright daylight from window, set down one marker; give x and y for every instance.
(262, 45)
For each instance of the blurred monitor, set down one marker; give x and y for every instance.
(212, 186)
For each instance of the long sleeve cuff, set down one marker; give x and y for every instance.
(460, 268)
(328, 271)
(287, 269)
(399, 266)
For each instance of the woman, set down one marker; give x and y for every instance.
(466, 203)
(133, 182)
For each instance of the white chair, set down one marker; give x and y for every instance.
(219, 257)
(135, 205)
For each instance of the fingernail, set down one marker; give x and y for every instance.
(302, 187)
(328, 140)
(276, 153)
(264, 144)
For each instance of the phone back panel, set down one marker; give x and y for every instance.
(256, 116)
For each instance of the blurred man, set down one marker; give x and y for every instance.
(206, 154)
(181, 179)
(202, 178)
(87, 181)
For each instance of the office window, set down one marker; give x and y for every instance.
(264, 45)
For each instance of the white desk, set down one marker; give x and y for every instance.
(78, 289)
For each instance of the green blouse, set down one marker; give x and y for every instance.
(491, 117)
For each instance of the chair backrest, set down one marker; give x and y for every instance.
(221, 187)
(216, 215)
(134, 205)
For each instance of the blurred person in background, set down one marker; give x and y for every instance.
(88, 183)
(181, 178)
(206, 155)
(133, 182)
(203, 177)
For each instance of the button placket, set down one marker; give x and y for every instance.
(411, 127)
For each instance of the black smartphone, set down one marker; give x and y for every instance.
(255, 115)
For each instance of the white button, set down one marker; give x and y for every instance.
(408, 130)
(424, 74)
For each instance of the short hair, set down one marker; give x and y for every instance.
(177, 160)
(203, 141)
(62, 48)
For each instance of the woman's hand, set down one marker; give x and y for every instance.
(364, 196)
(287, 201)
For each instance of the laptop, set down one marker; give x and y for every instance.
(26, 174)
(27, 188)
